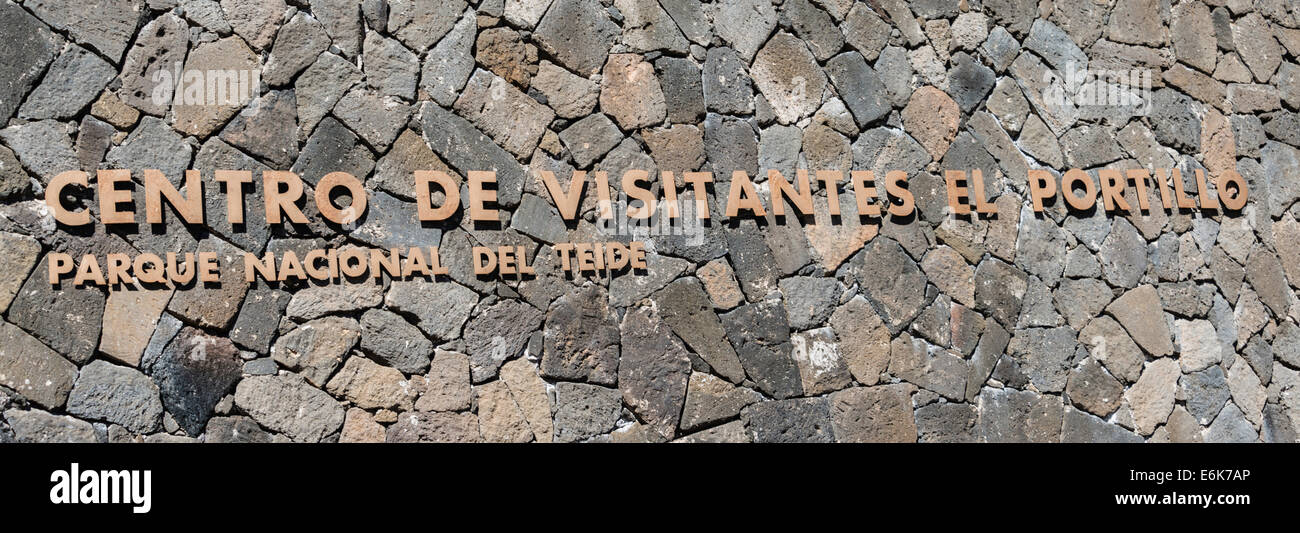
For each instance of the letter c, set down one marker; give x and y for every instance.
(54, 192)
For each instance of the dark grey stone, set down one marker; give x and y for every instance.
(581, 51)
(1019, 416)
(583, 411)
(1174, 120)
(1205, 393)
(684, 305)
(390, 222)
(332, 148)
(794, 420)
(947, 422)
(117, 394)
(760, 335)
(581, 338)
(728, 88)
(859, 87)
(809, 301)
(395, 342)
(1083, 427)
(34, 370)
(730, 145)
(72, 82)
(654, 370)
(224, 429)
(683, 92)
(892, 282)
(1044, 355)
(64, 317)
(193, 373)
(259, 318)
(267, 128)
(498, 333)
(30, 48)
(814, 27)
(969, 82)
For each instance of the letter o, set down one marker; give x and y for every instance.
(1237, 201)
(327, 209)
(1089, 197)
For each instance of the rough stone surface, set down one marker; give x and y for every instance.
(288, 404)
(34, 370)
(568, 94)
(581, 51)
(440, 309)
(1139, 311)
(498, 333)
(654, 370)
(1152, 397)
(65, 318)
(370, 385)
(793, 420)
(630, 92)
(433, 427)
(786, 73)
(583, 411)
(35, 426)
(193, 373)
(750, 22)
(581, 338)
(874, 414)
(1008, 415)
(393, 340)
(1093, 389)
(1157, 324)
(862, 89)
(116, 394)
(317, 348)
(447, 386)
(686, 308)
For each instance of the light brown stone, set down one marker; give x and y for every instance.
(446, 386)
(1139, 311)
(499, 418)
(1152, 397)
(864, 339)
(874, 414)
(360, 426)
(951, 274)
(932, 117)
(834, 241)
(111, 108)
(720, 282)
(370, 385)
(503, 51)
(630, 92)
(1218, 148)
(20, 254)
(677, 149)
(529, 393)
(130, 316)
(226, 55)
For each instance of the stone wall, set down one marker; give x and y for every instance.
(1063, 326)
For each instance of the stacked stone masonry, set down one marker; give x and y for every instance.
(1163, 326)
